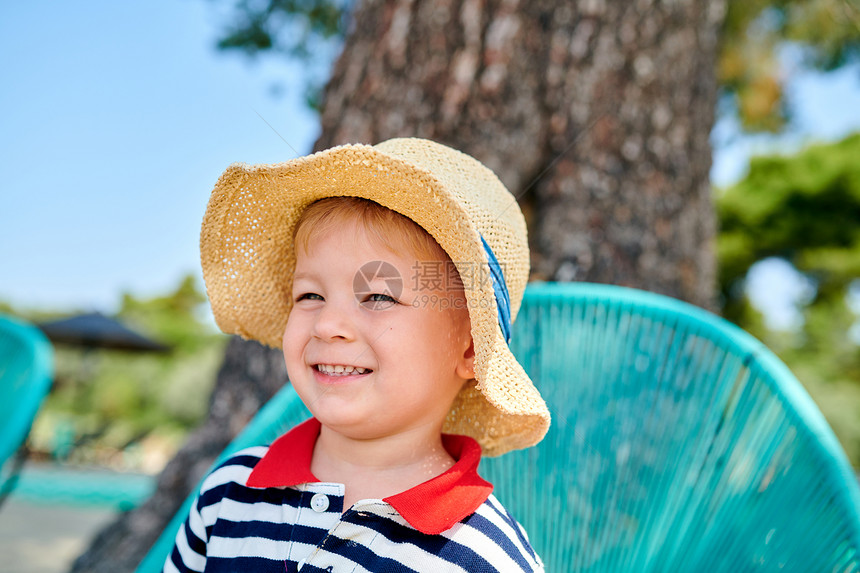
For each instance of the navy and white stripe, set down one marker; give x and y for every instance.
(233, 527)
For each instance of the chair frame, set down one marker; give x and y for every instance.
(38, 379)
(285, 409)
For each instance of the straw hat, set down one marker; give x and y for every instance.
(248, 259)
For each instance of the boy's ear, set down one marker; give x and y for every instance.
(466, 364)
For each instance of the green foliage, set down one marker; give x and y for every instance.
(301, 29)
(107, 403)
(292, 27)
(171, 318)
(754, 30)
(804, 208)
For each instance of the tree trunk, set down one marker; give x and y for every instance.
(596, 115)
(250, 375)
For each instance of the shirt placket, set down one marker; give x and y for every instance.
(355, 527)
(318, 498)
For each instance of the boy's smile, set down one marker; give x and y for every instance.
(339, 373)
(367, 364)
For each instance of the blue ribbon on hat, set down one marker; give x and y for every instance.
(500, 288)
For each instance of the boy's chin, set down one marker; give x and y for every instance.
(349, 424)
(368, 428)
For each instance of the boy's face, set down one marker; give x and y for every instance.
(415, 349)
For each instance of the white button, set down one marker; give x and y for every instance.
(319, 502)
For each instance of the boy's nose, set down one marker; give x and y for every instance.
(334, 321)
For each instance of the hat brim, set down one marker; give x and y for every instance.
(248, 259)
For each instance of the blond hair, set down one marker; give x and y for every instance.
(389, 228)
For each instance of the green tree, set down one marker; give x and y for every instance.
(174, 317)
(804, 208)
(108, 400)
(754, 31)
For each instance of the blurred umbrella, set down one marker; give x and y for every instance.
(95, 330)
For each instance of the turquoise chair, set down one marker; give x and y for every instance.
(26, 372)
(278, 415)
(679, 443)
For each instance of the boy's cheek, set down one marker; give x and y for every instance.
(286, 337)
(289, 344)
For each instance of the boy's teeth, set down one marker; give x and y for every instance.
(340, 370)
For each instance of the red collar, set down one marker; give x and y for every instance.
(430, 507)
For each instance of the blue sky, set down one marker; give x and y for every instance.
(118, 117)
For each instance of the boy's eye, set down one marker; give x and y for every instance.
(380, 297)
(378, 301)
(308, 296)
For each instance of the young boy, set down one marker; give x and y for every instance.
(345, 258)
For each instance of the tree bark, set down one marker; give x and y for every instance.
(596, 114)
(249, 376)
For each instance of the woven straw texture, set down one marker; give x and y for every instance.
(248, 258)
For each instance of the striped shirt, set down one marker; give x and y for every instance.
(262, 510)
